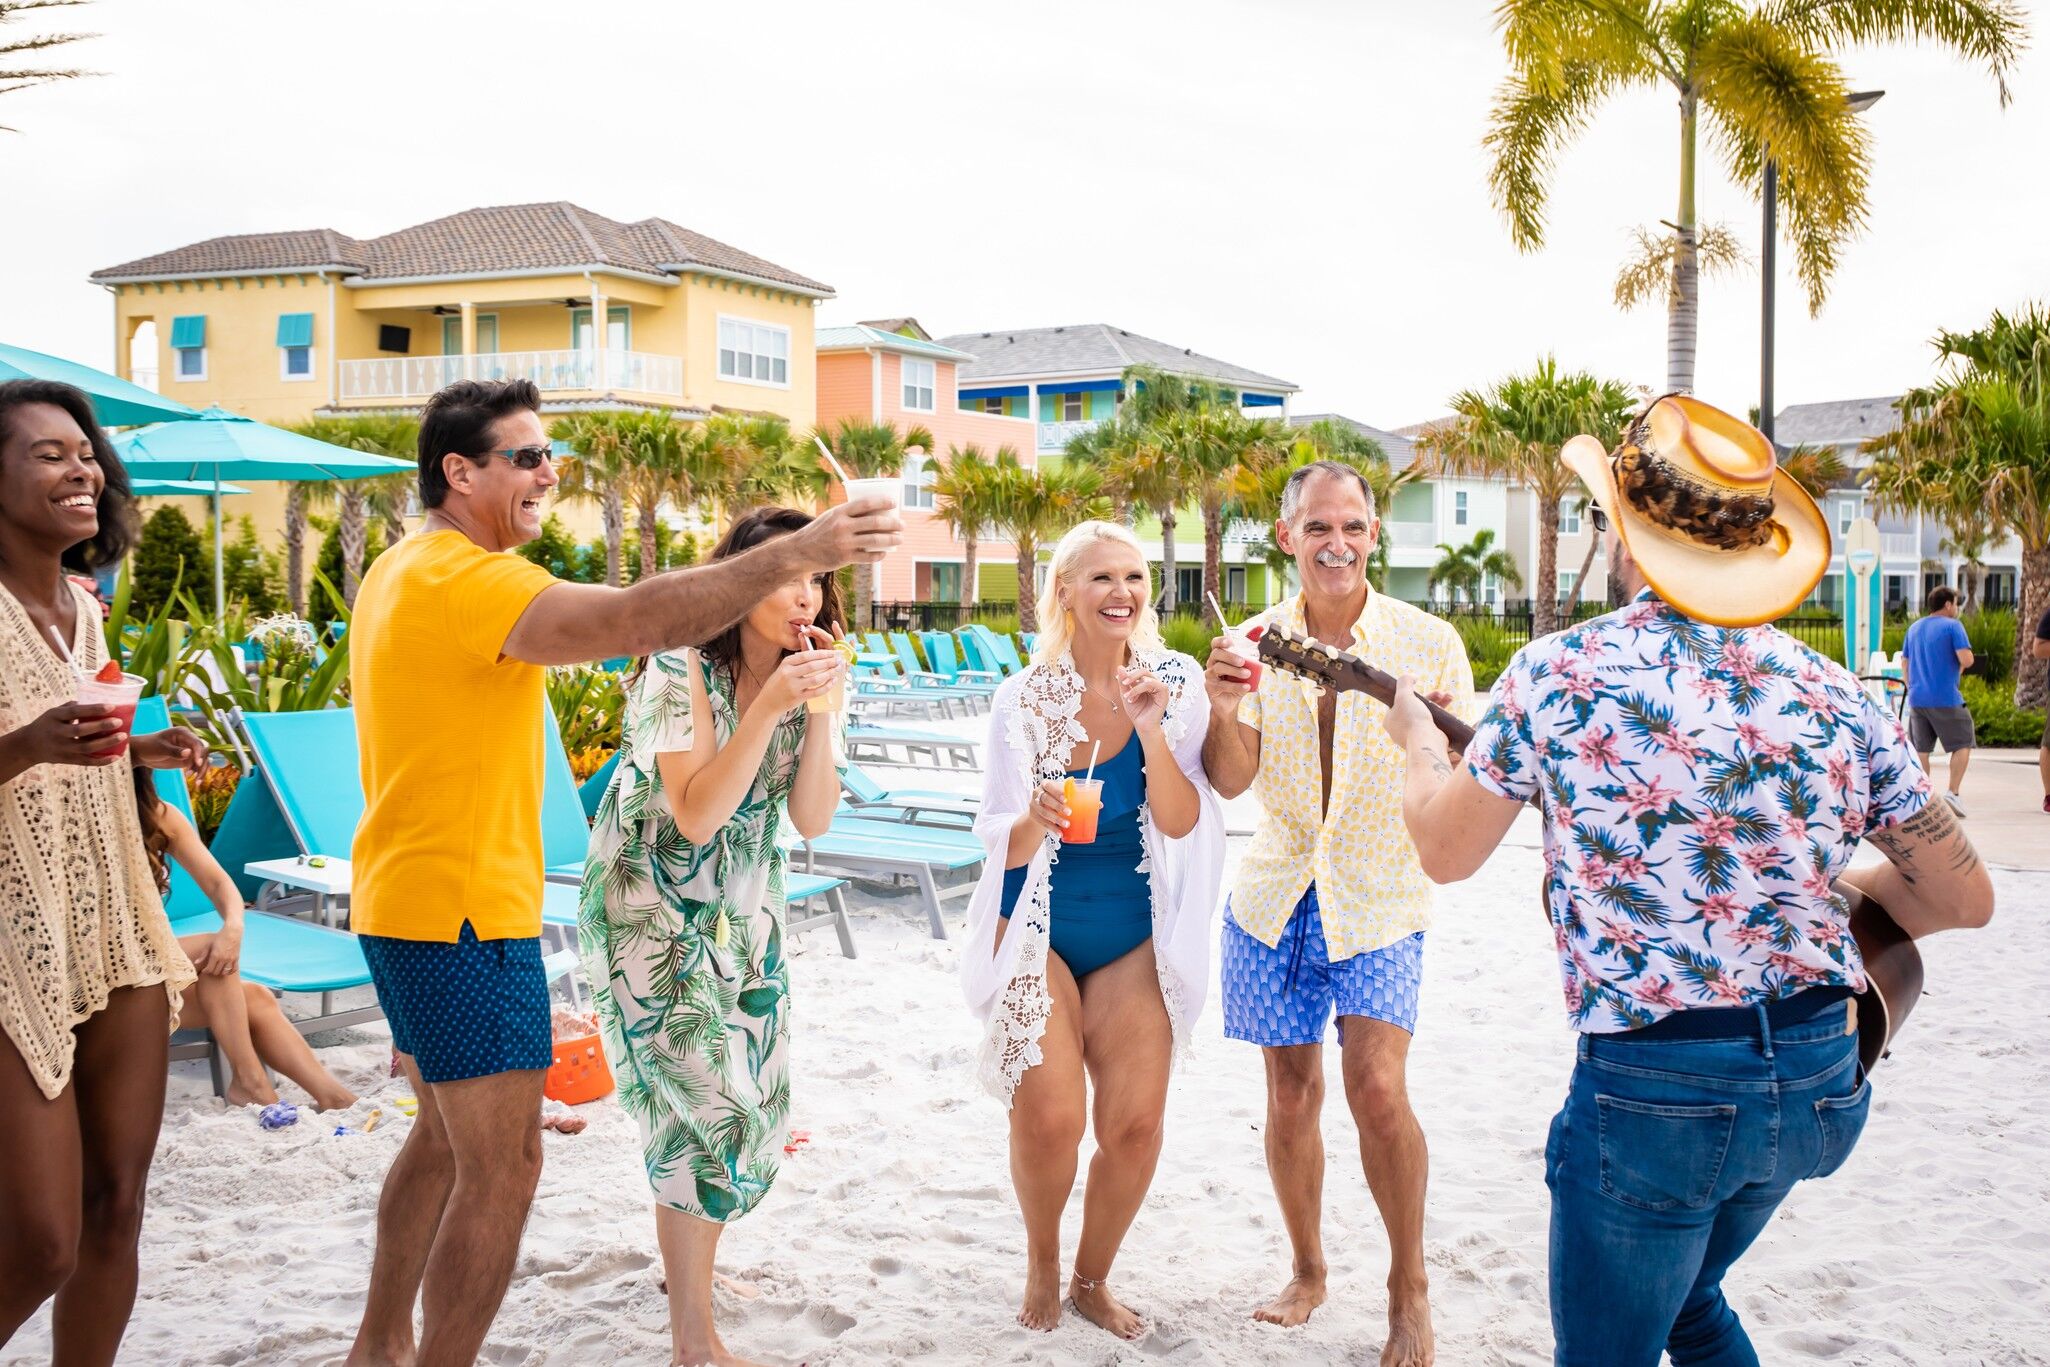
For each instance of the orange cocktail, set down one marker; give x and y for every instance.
(1084, 797)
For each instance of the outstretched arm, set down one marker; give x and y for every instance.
(572, 623)
(1454, 822)
(1933, 878)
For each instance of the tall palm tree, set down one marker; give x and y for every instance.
(1463, 570)
(1226, 443)
(1033, 507)
(1140, 471)
(596, 470)
(1760, 73)
(1987, 419)
(379, 434)
(1257, 490)
(757, 459)
(964, 497)
(1513, 431)
(868, 450)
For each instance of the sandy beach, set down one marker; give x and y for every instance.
(892, 1237)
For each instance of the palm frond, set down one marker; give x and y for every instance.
(1992, 32)
(1647, 274)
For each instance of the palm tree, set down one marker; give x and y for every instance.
(13, 78)
(1257, 490)
(1227, 443)
(868, 450)
(1464, 570)
(1984, 427)
(964, 497)
(1033, 507)
(1763, 77)
(1140, 471)
(597, 470)
(381, 435)
(1513, 431)
(758, 460)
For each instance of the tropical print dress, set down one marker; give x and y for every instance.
(684, 944)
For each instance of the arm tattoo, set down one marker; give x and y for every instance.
(1934, 830)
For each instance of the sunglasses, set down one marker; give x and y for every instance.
(1598, 517)
(521, 457)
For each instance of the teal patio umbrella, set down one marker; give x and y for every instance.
(158, 488)
(116, 402)
(218, 445)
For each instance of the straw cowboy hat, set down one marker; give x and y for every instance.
(1720, 532)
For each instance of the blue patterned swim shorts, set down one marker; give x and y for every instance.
(1288, 994)
(463, 1010)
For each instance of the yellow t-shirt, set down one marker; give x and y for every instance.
(451, 734)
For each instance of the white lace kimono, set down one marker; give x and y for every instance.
(1034, 725)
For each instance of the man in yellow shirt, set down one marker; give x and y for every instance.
(1328, 909)
(446, 647)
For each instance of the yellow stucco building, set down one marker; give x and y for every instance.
(286, 326)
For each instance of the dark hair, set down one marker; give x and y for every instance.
(457, 421)
(749, 530)
(156, 841)
(116, 507)
(1941, 597)
(1292, 492)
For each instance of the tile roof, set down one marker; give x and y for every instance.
(1091, 349)
(862, 336)
(506, 237)
(916, 328)
(1400, 450)
(1835, 423)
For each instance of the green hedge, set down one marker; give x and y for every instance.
(2000, 724)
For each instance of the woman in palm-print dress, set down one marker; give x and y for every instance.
(681, 918)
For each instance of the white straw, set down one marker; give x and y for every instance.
(63, 649)
(827, 452)
(1093, 750)
(1218, 610)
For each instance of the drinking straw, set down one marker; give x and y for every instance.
(827, 452)
(64, 650)
(1092, 761)
(1218, 610)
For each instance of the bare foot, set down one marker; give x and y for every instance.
(1104, 1310)
(1042, 1308)
(747, 1291)
(240, 1093)
(340, 1099)
(714, 1355)
(1294, 1304)
(1410, 1343)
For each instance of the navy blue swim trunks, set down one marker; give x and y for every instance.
(463, 1010)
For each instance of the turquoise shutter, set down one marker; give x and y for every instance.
(295, 329)
(189, 331)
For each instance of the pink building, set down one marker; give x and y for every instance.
(891, 372)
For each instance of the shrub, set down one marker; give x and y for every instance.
(588, 703)
(584, 763)
(1489, 647)
(556, 551)
(1992, 636)
(169, 542)
(1189, 635)
(252, 576)
(211, 793)
(1999, 722)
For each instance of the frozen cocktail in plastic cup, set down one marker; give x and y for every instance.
(834, 699)
(1084, 797)
(121, 695)
(1245, 643)
(888, 486)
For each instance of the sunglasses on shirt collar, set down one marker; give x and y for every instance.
(1598, 517)
(520, 457)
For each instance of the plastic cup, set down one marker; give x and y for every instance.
(1084, 797)
(122, 697)
(834, 699)
(1245, 644)
(886, 486)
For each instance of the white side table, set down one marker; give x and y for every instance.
(328, 881)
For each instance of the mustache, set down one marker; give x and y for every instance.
(1337, 560)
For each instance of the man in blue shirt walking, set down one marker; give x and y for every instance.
(1934, 657)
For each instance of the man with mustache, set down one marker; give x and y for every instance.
(1329, 907)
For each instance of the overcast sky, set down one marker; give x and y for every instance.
(1293, 185)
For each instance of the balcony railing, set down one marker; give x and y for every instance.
(1900, 546)
(1412, 533)
(416, 377)
(1055, 436)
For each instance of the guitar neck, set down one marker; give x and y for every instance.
(1380, 685)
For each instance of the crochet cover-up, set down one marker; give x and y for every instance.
(79, 913)
(1035, 722)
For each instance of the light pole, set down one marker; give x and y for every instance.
(1859, 101)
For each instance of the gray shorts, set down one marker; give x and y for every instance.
(1951, 725)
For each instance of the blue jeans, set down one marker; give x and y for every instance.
(1666, 1162)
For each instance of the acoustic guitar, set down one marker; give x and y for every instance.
(1893, 966)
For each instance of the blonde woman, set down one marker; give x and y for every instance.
(1088, 962)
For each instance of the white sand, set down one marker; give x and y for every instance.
(893, 1238)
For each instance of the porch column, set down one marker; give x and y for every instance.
(469, 339)
(599, 329)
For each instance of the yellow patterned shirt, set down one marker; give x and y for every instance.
(1370, 888)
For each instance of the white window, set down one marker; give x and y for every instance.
(917, 480)
(1459, 508)
(295, 362)
(754, 353)
(1071, 408)
(1846, 513)
(1569, 516)
(1491, 587)
(191, 362)
(1566, 578)
(919, 378)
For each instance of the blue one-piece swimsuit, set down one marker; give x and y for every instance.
(1102, 905)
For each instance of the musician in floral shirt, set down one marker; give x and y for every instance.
(1704, 780)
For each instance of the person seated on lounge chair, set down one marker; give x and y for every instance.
(244, 1017)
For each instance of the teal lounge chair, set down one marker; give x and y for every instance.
(1001, 651)
(892, 850)
(282, 954)
(918, 806)
(939, 649)
(591, 791)
(799, 888)
(909, 749)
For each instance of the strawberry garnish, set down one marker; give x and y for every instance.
(110, 672)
